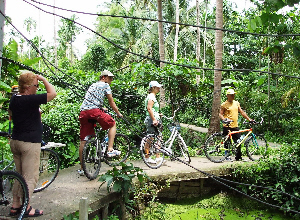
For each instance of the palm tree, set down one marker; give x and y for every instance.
(177, 30)
(215, 121)
(161, 48)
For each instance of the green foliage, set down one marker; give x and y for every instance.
(121, 180)
(94, 59)
(280, 172)
(221, 206)
(62, 116)
(75, 216)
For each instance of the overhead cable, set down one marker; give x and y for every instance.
(168, 22)
(157, 60)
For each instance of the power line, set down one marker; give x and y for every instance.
(168, 22)
(157, 60)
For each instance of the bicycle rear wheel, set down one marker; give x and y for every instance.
(121, 143)
(214, 148)
(49, 167)
(150, 151)
(256, 147)
(184, 152)
(91, 158)
(8, 181)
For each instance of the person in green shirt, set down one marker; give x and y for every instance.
(153, 115)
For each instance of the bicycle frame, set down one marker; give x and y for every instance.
(230, 133)
(101, 146)
(171, 139)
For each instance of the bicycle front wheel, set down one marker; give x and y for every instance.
(10, 180)
(214, 148)
(256, 147)
(150, 151)
(91, 158)
(49, 167)
(122, 144)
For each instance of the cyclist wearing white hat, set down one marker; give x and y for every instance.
(153, 115)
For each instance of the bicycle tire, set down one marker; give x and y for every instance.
(254, 151)
(7, 180)
(49, 168)
(214, 148)
(121, 143)
(91, 159)
(153, 141)
(184, 150)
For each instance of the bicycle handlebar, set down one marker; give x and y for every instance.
(172, 118)
(253, 122)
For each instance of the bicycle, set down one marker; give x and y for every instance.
(153, 146)
(95, 151)
(49, 163)
(7, 180)
(256, 145)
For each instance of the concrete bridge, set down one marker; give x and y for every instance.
(63, 195)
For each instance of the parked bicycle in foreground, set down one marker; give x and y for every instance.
(7, 180)
(49, 162)
(219, 147)
(153, 146)
(95, 151)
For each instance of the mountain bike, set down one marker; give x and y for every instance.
(49, 162)
(8, 180)
(49, 168)
(219, 147)
(153, 146)
(95, 151)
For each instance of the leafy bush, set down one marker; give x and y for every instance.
(280, 172)
(62, 116)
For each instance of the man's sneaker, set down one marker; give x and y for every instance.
(113, 153)
(80, 172)
(150, 160)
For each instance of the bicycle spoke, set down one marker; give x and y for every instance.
(91, 160)
(256, 147)
(11, 180)
(49, 167)
(122, 144)
(150, 152)
(215, 149)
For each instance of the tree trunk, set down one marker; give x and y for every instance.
(215, 121)
(177, 30)
(161, 48)
(198, 40)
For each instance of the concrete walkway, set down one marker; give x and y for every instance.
(195, 128)
(63, 195)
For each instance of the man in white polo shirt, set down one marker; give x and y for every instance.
(91, 108)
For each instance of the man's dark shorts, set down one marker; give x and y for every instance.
(87, 128)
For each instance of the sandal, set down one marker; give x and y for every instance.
(15, 211)
(36, 213)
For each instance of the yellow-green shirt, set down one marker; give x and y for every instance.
(231, 111)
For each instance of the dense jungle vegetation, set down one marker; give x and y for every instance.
(260, 57)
